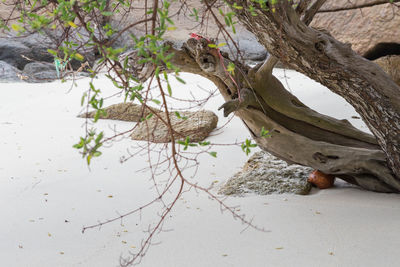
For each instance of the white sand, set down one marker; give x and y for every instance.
(47, 194)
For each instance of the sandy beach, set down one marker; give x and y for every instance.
(48, 194)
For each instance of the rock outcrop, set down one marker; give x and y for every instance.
(390, 64)
(364, 28)
(265, 174)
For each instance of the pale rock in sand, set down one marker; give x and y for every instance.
(265, 174)
(195, 125)
(122, 111)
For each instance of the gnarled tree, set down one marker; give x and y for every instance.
(299, 134)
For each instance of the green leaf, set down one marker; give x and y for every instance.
(17, 27)
(88, 158)
(169, 89)
(54, 53)
(83, 98)
(107, 13)
(97, 154)
(204, 143)
(99, 137)
(180, 80)
(214, 154)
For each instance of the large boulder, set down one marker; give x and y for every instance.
(364, 28)
(265, 174)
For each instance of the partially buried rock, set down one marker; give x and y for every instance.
(122, 111)
(265, 174)
(195, 125)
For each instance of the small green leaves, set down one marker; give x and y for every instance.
(206, 143)
(107, 13)
(265, 133)
(186, 143)
(213, 154)
(231, 68)
(17, 27)
(247, 145)
(179, 79)
(195, 14)
(90, 145)
(72, 24)
(54, 53)
(217, 46)
(235, 6)
(156, 101)
(178, 115)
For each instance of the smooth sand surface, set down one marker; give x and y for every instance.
(48, 193)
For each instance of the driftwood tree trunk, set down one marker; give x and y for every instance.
(298, 134)
(319, 56)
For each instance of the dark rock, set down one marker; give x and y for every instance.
(40, 72)
(9, 73)
(19, 51)
(265, 174)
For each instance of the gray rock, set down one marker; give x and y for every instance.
(265, 174)
(195, 125)
(9, 73)
(40, 72)
(19, 52)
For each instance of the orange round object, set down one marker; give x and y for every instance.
(321, 180)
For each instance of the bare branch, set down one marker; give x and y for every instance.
(310, 12)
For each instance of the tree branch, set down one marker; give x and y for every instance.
(310, 12)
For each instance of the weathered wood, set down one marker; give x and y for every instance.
(319, 56)
(310, 139)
